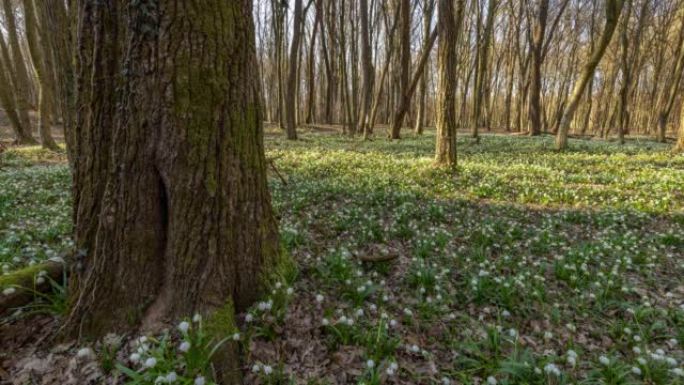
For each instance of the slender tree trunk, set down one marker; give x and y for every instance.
(449, 26)
(44, 74)
(671, 90)
(428, 8)
(311, 73)
(536, 43)
(405, 101)
(172, 209)
(290, 113)
(680, 140)
(402, 64)
(19, 74)
(613, 10)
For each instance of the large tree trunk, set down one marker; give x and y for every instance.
(172, 209)
(613, 10)
(449, 26)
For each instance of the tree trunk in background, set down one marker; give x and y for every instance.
(405, 101)
(367, 71)
(44, 73)
(428, 10)
(447, 62)
(481, 79)
(672, 88)
(311, 71)
(613, 10)
(680, 140)
(171, 203)
(403, 63)
(16, 67)
(8, 104)
(290, 99)
(536, 37)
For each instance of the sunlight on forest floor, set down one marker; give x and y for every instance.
(525, 266)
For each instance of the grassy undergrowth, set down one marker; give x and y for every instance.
(527, 266)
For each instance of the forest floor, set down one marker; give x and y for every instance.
(525, 266)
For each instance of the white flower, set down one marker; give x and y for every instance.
(572, 360)
(394, 366)
(642, 361)
(637, 338)
(184, 326)
(491, 380)
(249, 318)
(9, 291)
(636, 350)
(196, 318)
(289, 291)
(393, 323)
(236, 336)
(370, 364)
(199, 380)
(319, 298)
(359, 312)
(513, 333)
(636, 370)
(325, 322)
(572, 353)
(548, 335)
(671, 361)
(604, 360)
(446, 381)
(150, 362)
(255, 368)
(135, 357)
(171, 377)
(268, 369)
(85, 353)
(184, 346)
(679, 372)
(506, 313)
(551, 368)
(415, 348)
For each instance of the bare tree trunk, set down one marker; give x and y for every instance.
(290, 114)
(613, 10)
(428, 10)
(481, 79)
(671, 90)
(403, 63)
(19, 74)
(311, 72)
(405, 101)
(449, 28)
(171, 203)
(44, 73)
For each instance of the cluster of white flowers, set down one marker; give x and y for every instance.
(552, 369)
(266, 369)
(392, 368)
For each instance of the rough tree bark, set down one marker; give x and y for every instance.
(613, 10)
(366, 68)
(172, 209)
(449, 26)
